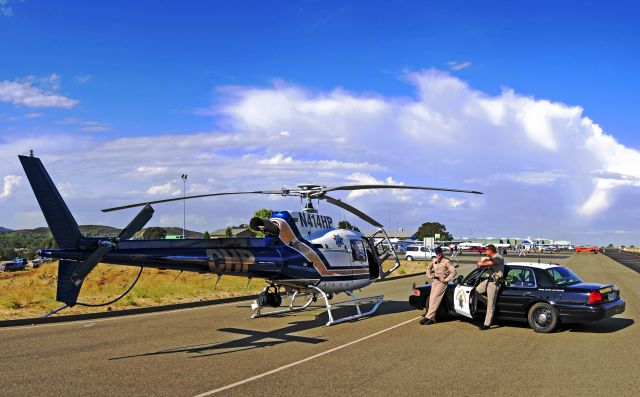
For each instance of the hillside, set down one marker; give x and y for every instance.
(178, 231)
(26, 242)
(4, 229)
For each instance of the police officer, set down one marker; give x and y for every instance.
(439, 271)
(490, 287)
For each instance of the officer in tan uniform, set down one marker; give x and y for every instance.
(490, 287)
(439, 271)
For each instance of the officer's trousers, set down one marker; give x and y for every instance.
(490, 290)
(438, 289)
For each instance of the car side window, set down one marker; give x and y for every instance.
(471, 279)
(519, 277)
(357, 251)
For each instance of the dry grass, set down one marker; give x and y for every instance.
(31, 293)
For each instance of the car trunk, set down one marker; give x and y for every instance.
(607, 292)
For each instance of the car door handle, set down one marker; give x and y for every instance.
(527, 293)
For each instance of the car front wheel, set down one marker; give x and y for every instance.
(543, 317)
(409, 258)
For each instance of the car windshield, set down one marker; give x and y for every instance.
(563, 276)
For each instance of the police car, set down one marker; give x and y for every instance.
(545, 295)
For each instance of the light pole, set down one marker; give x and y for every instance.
(184, 203)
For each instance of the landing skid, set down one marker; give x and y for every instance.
(291, 309)
(375, 300)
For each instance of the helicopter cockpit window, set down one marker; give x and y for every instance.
(357, 251)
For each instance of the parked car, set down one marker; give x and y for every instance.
(38, 261)
(418, 253)
(544, 295)
(16, 264)
(474, 248)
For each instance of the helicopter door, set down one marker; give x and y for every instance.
(358, 256)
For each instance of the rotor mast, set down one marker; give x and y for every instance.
(306, 192)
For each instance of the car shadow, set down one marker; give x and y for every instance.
(600, 327)
(255, 339)
(606, 326)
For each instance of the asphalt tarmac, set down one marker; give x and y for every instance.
(628, 259)
(200, 350)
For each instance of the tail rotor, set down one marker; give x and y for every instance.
(108, 245)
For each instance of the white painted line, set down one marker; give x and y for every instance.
(304, 360)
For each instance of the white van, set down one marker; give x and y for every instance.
(419, 253)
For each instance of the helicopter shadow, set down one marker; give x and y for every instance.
(256, 339)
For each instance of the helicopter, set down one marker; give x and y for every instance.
(302, 252)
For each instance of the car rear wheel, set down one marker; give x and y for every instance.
(543, 317)
(409, 258)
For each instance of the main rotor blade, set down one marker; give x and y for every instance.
(136, 223)
(192, 197)
(353, 210)
(362, 187)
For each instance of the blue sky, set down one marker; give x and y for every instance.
(147, 69)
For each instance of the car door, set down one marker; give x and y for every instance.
(517, 292)
(464, 294)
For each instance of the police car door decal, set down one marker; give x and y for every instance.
(461, 297)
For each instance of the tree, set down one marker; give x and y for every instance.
(206, 234)
(264, 214)
(154, 232)
(228, 232)
(430, 229)
(347, 225)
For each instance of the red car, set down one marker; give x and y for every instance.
(589, 248)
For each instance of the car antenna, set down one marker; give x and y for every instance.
(538, 261)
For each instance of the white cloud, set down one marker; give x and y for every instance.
(533, 158)
(6, 7)
(440, 200)
(146, 170)
(455, 65)
(10, 181)
(94, 126)
(35, 92)
(26, 116)
(167, 189)
(84, 125)
(83, 78)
